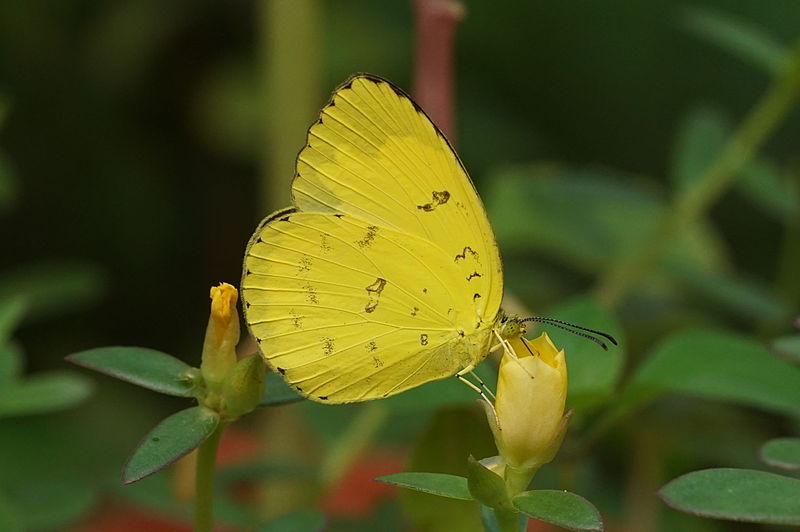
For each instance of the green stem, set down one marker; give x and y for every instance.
(689, 206)
(289, 60)
(204, 482)
(507, 521)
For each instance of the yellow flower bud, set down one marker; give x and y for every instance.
(531, 393)
(222, 335)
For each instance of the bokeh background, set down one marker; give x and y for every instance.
(142, 141)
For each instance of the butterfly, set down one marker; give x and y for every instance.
(385, 273)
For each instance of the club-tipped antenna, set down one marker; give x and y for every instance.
(569, 327)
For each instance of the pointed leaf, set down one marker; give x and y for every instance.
(55, 287)
(43, 393)
(145, 367)
(738, 37)
(787, 347)
(301, 521)
(747, 298)
(717, 365)
(582, 217)
(12, 309)
(169, 440)
(736, 494)
(783, 453)
(700, 138)
(560, 508)
(10, 363)
(277, 392)
(762, 183)
(440, 484)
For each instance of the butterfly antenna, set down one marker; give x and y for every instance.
(567, 326)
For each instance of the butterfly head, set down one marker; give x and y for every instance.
(510, 325)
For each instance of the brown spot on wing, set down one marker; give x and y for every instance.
(423, 339)
(374, 292)
(327, 345)
(368, 237)
(463, 255)
(437, 198)
(305, 264)
(311, 294)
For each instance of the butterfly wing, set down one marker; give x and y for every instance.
(332, 304)
(386, 274)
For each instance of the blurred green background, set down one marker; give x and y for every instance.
(135, 149)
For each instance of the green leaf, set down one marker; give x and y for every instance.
(46, 392)
(11, 360)
(486, 486)
(169, 440)
(787, 347)
(55, 287)
(736, 494)
(593, 372)
(278, 392)
(764, 185)
(440, 484)
(560, 508)
(144, 367)
(700, 138)
(12, 310)
(717, 365)
(738, 37)
(744, 297)
(783, 453)
(582, 217)
(301, 521)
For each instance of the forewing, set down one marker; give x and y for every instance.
(349, 311)
(375, 155)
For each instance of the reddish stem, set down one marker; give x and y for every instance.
(436, 22)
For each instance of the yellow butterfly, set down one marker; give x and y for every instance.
(385, 274)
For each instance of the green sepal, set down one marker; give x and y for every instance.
(144, 367)
(487, 486)
(243, 386)
(171, 439)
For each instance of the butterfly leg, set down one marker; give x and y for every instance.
(468, 370)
